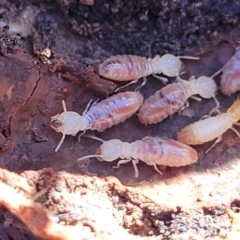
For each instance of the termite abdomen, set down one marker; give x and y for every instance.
(163, 103)
(124, 68)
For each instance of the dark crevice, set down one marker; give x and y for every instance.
(6, 132)
(31, 94)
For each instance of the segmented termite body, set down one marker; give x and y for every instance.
(100, 116)
(211, 128)
(130, 67)
(230, 79)
(171, 98)
(151, 150)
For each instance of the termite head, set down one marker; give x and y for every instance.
(57, 123)
(231, 75)
(205, 87)
(235, 110)
(171, 65)
(68, 123)
(110, 150)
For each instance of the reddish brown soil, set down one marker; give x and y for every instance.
(183, 203)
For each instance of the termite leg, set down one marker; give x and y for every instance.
(99, 157)
(217, 141)
(216, 109)
(63, 136)
(196, 98)
(163, 79)
(191, 78)
(134, 163)
(156, 168)
(217, 102)
(64, 106)
(60, 143)
(80, 135)
(94, 137)
(87, 107)
(122, 162)
(95, 102)
(204, 117)
(186, 105)
(189, 57)
(126, 85)
(235, 130)
(142, 84)
(179, 79)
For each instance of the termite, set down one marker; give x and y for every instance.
(211, 128)
(172, 98)
(230, 79)
(151, 150)
(130, 67)
(100, 116)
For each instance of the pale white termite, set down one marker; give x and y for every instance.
(100, 116)
(131, 67)
(172, 98)
(151, 150)
(211, 128)
(230, 79)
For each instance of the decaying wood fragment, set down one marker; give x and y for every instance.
(86, 78)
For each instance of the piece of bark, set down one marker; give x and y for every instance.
(85, 78)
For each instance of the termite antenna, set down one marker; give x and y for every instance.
(90, 156)
(214, 110)
(128, 84)
(189, 57)
(94, 137)
(64, 106)
(216, 73)
(60, 143)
